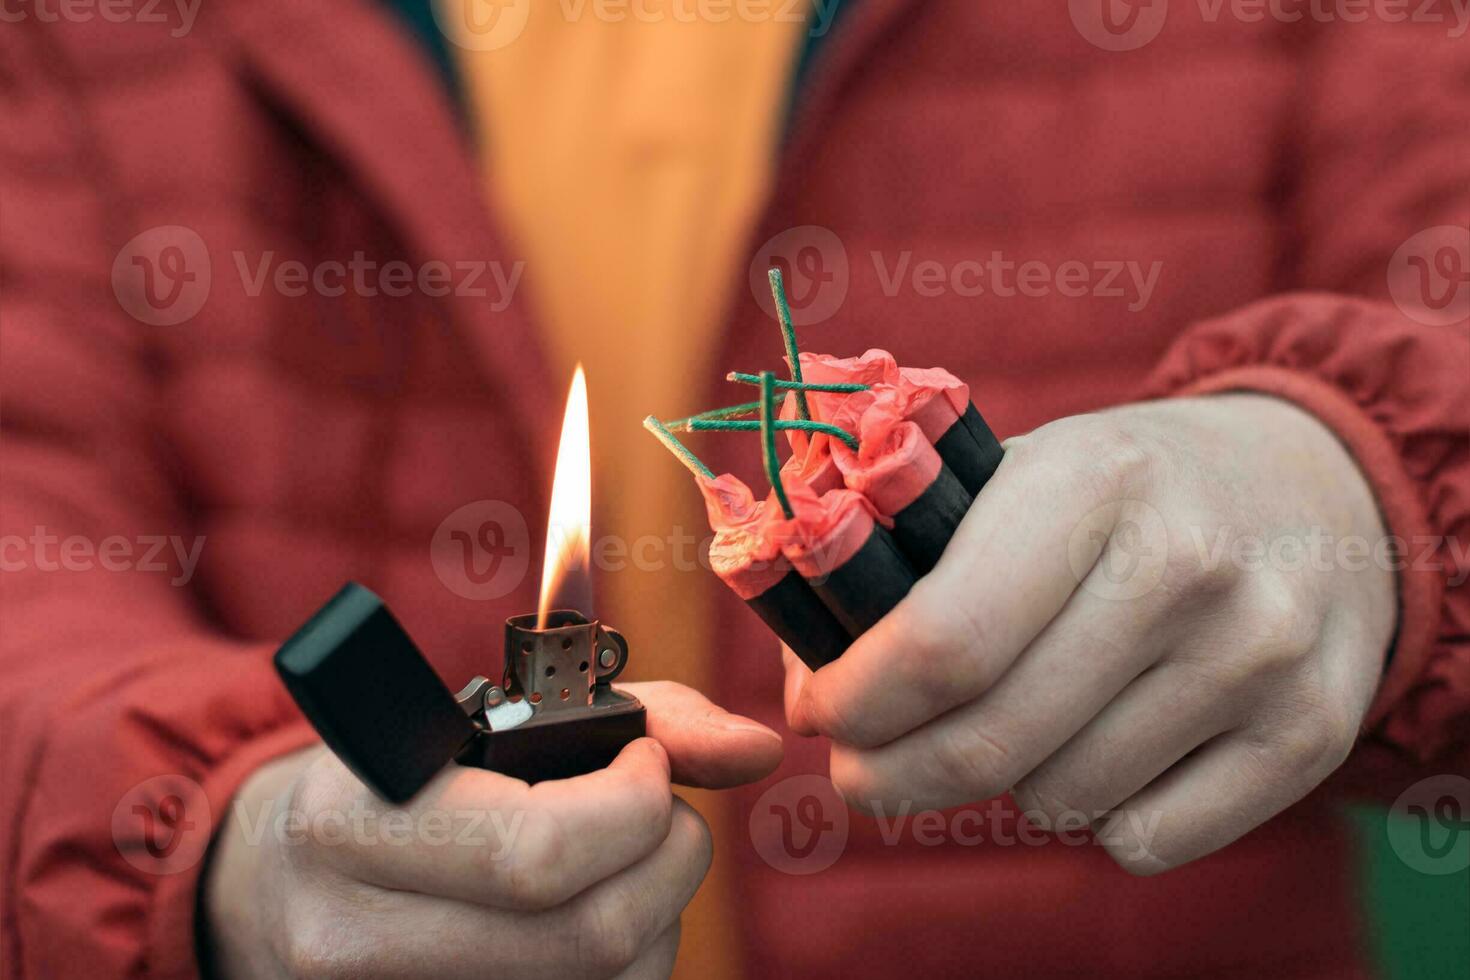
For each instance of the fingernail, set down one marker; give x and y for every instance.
(798, 684)
(657, 748)
(742, 726)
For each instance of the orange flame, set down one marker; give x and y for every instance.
(566, 570)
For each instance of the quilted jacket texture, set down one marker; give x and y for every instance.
(1297, 186)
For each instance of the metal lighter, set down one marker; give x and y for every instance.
(378, 704)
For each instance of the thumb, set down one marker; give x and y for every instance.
(797, 674)
(708, 746)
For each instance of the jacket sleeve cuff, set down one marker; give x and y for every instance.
(172, 949)
(1404, 516)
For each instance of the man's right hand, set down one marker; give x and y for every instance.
(480, 874)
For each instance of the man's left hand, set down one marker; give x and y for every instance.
(1179, 610)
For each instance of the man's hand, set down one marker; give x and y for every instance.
(479, 874)
(1170, 609)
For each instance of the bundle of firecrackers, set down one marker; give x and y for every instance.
(884, 462)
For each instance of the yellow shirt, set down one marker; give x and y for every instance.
(628, 150)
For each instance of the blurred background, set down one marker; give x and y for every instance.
(292, 290)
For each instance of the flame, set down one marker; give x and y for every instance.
(566, 569)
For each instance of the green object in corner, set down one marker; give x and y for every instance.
(1418, 923)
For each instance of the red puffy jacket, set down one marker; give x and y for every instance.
(1300, 189)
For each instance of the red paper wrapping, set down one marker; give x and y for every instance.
(811, 458)
(743, 553)
(825, 531)
(892, 468)
(932, 397)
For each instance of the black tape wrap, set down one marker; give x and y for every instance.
(863, 589)
(794, 613)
